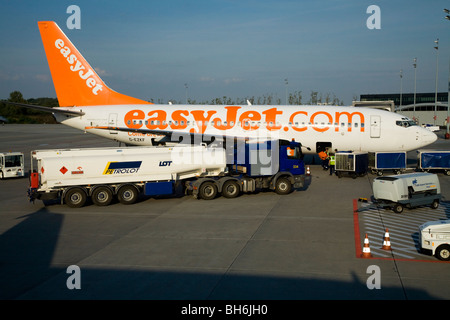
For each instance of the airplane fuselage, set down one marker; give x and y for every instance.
(316, 127)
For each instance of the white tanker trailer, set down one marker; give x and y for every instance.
(101, 173)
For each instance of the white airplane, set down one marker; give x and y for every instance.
(88, 104)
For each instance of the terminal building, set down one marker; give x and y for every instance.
(424, 111)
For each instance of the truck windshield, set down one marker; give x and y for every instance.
(387, 178)
(13, 161)
(294, 153)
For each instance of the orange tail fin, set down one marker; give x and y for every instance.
(76, 82)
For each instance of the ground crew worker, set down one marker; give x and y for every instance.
(332, 162)
(324, 157)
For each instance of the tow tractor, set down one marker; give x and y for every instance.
(406, 190)
(11, 165)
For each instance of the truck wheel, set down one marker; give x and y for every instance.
(447, 172)
(230, 189)
(443, 253)
(283, 186)
(208, 190)
(102, 196)
(398, 208)
(435, 204)
(127, 194)
(75, 198)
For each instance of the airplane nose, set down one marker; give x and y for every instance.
(428, 137)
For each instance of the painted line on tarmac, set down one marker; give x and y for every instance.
(358, 247)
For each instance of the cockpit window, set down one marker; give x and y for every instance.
(405, 122)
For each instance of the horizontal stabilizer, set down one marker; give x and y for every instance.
(47, 109)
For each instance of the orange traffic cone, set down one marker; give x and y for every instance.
(387, 241)
(366, 250)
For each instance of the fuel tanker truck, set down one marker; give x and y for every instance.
(74, 175)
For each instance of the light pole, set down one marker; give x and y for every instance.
(447, 134)
(415, 68)
(401, 88)
(286, 82)
(186, 91)
(437, 71)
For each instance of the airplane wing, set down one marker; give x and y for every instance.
(178, 135)
(181, 135)
(47, 109)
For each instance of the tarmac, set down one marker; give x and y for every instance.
(258, 247)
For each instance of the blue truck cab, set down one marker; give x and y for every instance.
(274, 164)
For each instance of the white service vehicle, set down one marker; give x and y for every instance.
(101, 173)
(11, 165)
(435, 239)
(411, 190)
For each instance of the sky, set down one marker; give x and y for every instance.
(153, 49)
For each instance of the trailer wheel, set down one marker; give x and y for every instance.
(398, 208)
(435, 204)
(283, 186)
(443, 252)
(127, 194)
(208, 190)
(230, 189)
(102, 196)
(75, 198)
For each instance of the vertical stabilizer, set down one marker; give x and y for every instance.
(76, 82)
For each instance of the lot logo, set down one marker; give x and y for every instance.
(165, 163)
(124, 167)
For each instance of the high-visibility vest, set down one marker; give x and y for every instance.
(332, 160)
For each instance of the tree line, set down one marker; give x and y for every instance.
(293, 98)
(15, 114)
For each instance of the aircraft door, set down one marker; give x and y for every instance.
(375, 126)
(322, 146)
(112, 122)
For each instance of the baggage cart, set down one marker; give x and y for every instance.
(353, 163)
(387, 161)
(433, 161)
